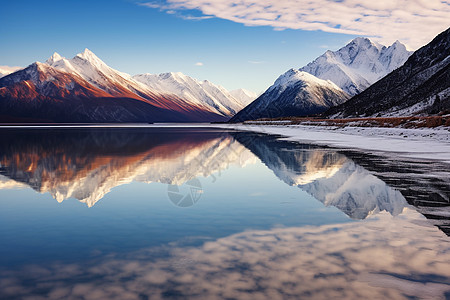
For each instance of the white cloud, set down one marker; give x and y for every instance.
(189, 17)
(199, 64)
(414, 22)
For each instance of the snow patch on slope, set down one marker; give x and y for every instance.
(215, 97)
(244, 96)
(359, 64)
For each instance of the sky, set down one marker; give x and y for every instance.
(233, 43)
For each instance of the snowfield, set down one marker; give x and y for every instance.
(417, 143)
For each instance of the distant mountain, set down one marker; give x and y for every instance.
(41, 93)
(294, 93)
(359, 64)
(420, 86)
(204, 93)
(244, 96)
(334, 76)
(85, 89)
(5, 70)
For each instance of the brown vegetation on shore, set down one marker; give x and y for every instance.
(404, 122)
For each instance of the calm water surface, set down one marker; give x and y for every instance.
(186, 213)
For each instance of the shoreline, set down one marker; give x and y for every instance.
(413, 143)
(423, 143)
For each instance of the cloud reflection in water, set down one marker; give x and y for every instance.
(383, 257)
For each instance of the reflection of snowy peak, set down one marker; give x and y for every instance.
(88, 176)
(197, 92)
(355, 191)
(294, 93)
(359, 64)
(328, 176)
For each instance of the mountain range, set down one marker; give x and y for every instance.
(195, 92)
(420, 86)
(359, 64)
(293, 93)
(85, 89)
(362, 79)
(328, 81)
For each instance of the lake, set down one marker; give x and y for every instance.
(204, 213)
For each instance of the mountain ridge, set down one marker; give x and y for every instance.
(87, 86)
(420, 86)
(293, 93)
(336, 75)
(358, 64)
(44, 93)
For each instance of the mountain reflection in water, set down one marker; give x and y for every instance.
(215, 250)
(87, 163)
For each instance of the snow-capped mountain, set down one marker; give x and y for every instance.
(328, 81)
(295, 93)
(420, 86)
(92, 69)
(244, 96)
(196, 92)
(359, 64)
(42, 93)
(85, 89)
(169, 97)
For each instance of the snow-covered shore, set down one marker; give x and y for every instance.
(418, 143)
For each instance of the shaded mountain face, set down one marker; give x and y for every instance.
(85, 89)
(420, 86)
(294, 93)
(359, 64)
(202, 93)
(86, 164)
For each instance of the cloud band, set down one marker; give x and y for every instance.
(414, 22)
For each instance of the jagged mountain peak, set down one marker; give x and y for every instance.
(358, 64)
(54, 58)
(204, 93)
(172, 75)
(293, 76)
(419, 86)
(88, 55)
(294, 93)
(364, 42)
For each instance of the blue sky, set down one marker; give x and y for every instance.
(249, 48)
